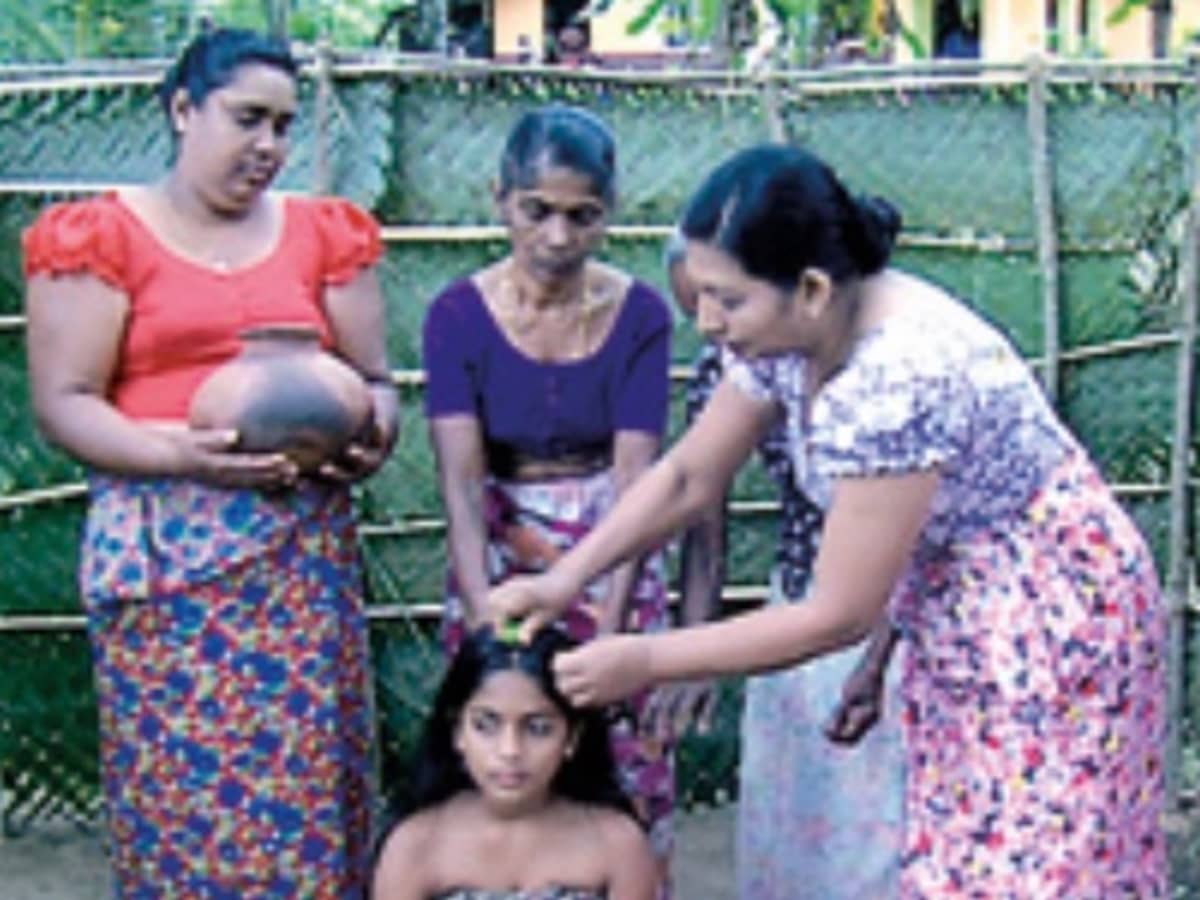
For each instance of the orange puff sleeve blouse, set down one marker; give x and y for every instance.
(185, 317)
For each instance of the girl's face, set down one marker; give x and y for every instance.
(234, 144)
(513, 740)
(554, 225)
(752, 317)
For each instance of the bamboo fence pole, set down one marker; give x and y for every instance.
(772, 110)
(770, 98)
(1041, 167)
(935, 75)
(1178, 576)
(322, 175)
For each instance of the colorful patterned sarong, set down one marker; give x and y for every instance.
(229, 644)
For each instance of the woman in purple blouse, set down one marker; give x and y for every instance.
(547, 396)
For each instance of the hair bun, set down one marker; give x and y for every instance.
(878, 225)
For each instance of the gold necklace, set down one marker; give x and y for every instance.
(521, 318)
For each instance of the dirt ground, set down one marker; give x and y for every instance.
(64, 862)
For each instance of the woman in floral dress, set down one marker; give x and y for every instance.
(955, 501)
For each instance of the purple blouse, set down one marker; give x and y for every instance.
(543, 410)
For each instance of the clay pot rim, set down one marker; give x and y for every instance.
(277, 330)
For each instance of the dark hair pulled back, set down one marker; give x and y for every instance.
(212, 59)
(779, 210)
(560, 135)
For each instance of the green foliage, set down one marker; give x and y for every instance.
(61, 30)
(1125, 9)
(65, 30)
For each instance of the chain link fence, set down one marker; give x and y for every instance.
(1056, 201)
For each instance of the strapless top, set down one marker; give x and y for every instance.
(547, 893)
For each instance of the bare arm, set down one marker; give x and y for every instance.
(702, 566)
(878, 654)
(75, 327)
(677, 490)
(633, 454)
(400, 873)
(861, 703)
(461, 462)
(870, 532)
(633, 871)
(357, 317)
(678, 705)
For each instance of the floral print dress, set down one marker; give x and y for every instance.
(1034, 681)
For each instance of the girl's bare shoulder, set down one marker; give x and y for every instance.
(620, 831)
(409, 860)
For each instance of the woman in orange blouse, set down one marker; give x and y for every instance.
(222, 588)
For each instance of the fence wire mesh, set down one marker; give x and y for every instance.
(420, 148)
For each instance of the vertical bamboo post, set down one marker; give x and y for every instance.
(1178, 575)
(322, 180)
(765, 60)
(1041, 167)
(772, 105)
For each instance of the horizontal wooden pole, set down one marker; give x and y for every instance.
(731, 595)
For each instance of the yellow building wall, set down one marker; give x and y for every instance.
(1010, 29)
(514, 18)
(1013, 29)
(1127, 40)
(913, 14)
(1187, 22)
(609, 31)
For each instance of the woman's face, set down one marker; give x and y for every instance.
(513, 740)
(554, 225)
(234, 144)
(752, 317)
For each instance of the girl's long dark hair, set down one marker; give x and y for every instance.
(587, 776)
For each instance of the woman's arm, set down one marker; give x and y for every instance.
(677, 490)
(633, 871)
(633, 454)
(869, 534)
(359, 323)
(680, 705)
(462, 466)
(861, 703)
(75, 327)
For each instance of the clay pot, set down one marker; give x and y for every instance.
(283, 393)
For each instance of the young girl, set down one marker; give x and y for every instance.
(515, 795)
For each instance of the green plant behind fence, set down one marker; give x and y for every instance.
(420, 148)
